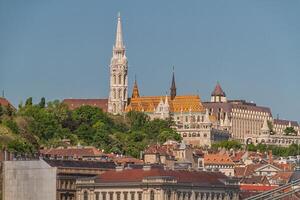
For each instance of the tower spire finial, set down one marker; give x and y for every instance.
(173, 86)
(119, 34)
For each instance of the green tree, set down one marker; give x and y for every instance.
(28, 102)
(290, 131)
(42, 103)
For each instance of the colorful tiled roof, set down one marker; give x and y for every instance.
(178, 104)
(76, 103)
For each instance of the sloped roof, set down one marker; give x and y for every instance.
(179, 103)
(73, 152)
(218, 91)
(285, 122)
(5, 102)
(255, 180)
(80, 164)
(137, 175)
(76, 103)
(223, 159)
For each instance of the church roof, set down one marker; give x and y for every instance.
(178, 104)
(218, 91)
(5, 102)
(76, 103)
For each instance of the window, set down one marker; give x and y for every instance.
(131, 195)
(152, 195)
(115, 79)
(85, 195)
(125, 195)
(120, 79)
(97, 195)
(111, 196)
(103, 195)
(139, 196)
(118, 195)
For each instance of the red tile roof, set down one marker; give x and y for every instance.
(159, 149)
(127, 160)
(238, 156)
(137, 175)
(73, 152)
(76, 103)
(250, 187)
(5, 102)
(218, 91)
(223, 159)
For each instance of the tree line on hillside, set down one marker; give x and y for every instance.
(46, 124)
(291, 150)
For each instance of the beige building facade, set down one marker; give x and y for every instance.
(157, 184)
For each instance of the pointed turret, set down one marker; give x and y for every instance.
(119, 35)
(173, 87)
(265, 128)
(218, 95)
(135, 91)
(206, 117)
(226, 120)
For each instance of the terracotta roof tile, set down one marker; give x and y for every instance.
(73, 152)
(178, 104)
(5, 102)
(137, 175)
(217, 159)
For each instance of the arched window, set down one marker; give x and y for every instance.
(152, 195)
(124, 95)
(119, 94)
(120, 79)
(114, 93)
(85, 195)
(114, 79)
(114, 108)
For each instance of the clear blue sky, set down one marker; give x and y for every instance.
(62, 48)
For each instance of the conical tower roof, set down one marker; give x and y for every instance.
(173, 87)
(218, 91)
(135, 91)
(265, 127)
(119, 35)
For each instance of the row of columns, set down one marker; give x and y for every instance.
(156, 195)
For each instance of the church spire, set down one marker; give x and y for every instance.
(118, 96)
(173, 86)
(119, 35)
(135, 91)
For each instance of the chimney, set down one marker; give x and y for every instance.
(270, 157)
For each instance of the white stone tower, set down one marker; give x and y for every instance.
(118, 75)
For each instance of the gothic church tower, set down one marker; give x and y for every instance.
(118, 75)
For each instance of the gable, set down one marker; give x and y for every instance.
(268, 167)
